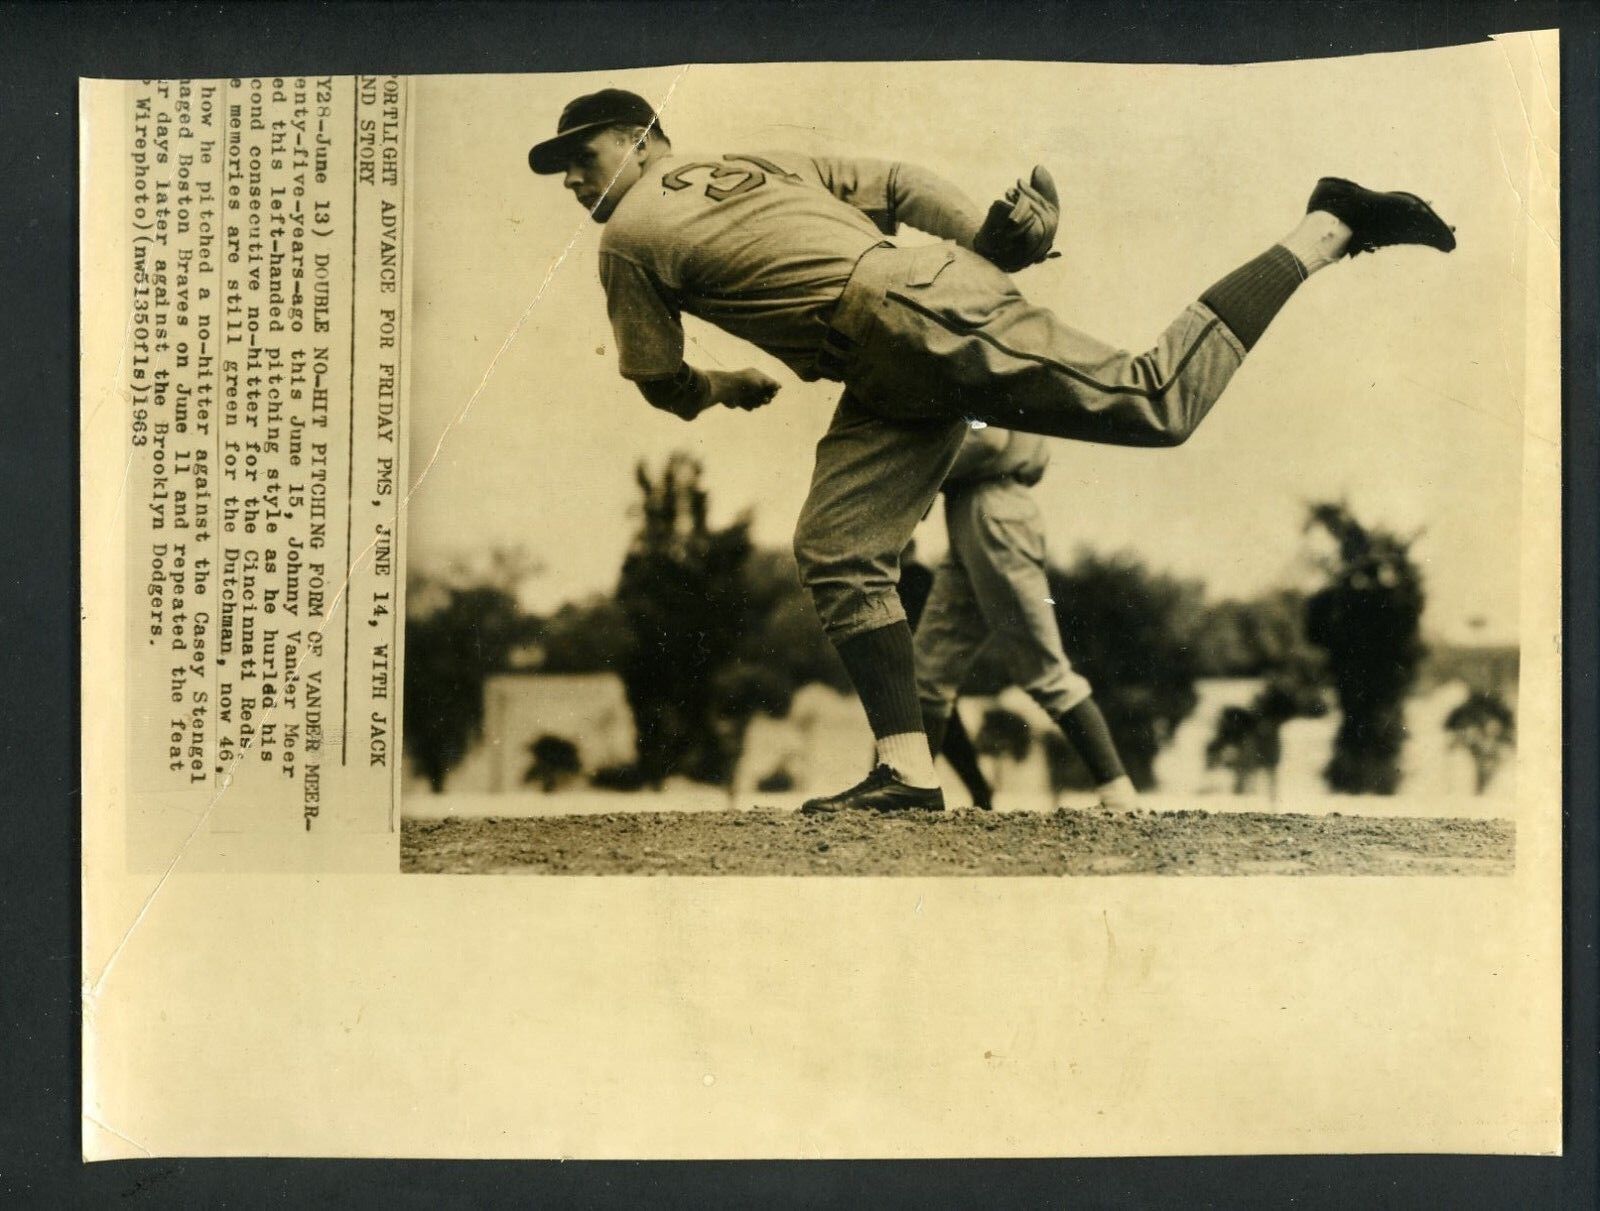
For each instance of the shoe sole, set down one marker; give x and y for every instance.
(882, 811)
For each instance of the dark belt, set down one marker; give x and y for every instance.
(854, 304)
(834, 354)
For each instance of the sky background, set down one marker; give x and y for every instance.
(1394, 382)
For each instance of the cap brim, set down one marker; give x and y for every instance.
(552, 155)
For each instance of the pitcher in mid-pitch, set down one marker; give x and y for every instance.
(788, 252)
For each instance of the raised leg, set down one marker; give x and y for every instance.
(964, 341)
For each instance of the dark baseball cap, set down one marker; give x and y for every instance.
(581, 118)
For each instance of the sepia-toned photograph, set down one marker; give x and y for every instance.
(907, 510)
(967, 469)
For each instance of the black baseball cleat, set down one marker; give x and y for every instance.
(1379, 220)
(879, 791)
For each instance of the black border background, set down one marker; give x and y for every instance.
(44, 49)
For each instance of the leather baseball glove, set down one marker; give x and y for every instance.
(1020, 229)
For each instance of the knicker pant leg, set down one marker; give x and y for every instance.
(965, 342)
(999, 535)
(951, 634)
(873, 482)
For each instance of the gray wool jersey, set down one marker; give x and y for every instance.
(760, 245)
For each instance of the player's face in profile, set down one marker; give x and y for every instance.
(601, 171)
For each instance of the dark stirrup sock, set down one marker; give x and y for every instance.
(936, 722)
(1085, 726)
(1248, 298)
(883, 670)
(958, 750)
(948, 738)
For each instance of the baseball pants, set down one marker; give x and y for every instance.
(926, 339)
(992, 589)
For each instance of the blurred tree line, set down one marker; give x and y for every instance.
(706, 630)
(1368, 619)
(462, 626)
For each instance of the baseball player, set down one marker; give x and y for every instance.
(789, 252)
(991, 588)
(952, 743)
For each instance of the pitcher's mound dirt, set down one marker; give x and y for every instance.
(761, 842)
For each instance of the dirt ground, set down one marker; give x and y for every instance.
(765, 842)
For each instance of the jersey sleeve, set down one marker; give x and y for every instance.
(892, 192)
(868, 185)
(644, 321)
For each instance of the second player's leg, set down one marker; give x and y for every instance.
(951, 634)
(999, 534)
(1000, 537)
(947, 641)
(959, 750)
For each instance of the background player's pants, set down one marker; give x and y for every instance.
(927, 336)
(991, 588)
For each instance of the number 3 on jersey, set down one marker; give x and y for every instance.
(736, 175)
